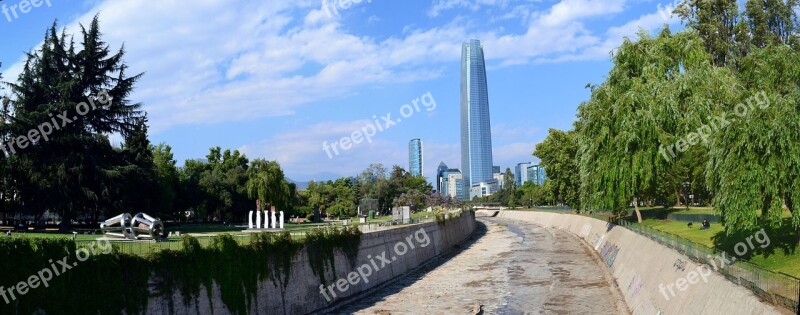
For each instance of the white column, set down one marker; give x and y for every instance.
(273, 220)
(281, 222)
(258, 219)
(250, 220)
(266, 219)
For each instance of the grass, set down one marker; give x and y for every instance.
(778, 254)
(694, 234)
(203, 233)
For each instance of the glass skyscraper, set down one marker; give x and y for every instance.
(476, 131)
(415, 157)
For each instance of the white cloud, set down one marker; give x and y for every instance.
(444, 5)
(224, 61)
(568, 11)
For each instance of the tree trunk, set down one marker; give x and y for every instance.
(798, 234)
(636, 207)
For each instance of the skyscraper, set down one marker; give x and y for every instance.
(415, 157)
(476, 133)
(440, 176)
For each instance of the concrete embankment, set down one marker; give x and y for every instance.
(654, 279)
(422, 243)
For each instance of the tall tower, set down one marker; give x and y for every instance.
(476, 131)
(415, 157)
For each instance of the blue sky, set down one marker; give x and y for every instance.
(275, 79)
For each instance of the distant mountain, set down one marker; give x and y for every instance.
(299, 185)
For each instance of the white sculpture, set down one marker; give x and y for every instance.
(266, 219)
(273, 219)
(281, 220)
(250, 220)
(258, 219)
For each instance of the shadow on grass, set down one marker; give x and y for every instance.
(783, 238)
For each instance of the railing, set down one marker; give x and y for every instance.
(777, 288)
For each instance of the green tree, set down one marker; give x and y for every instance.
(658, 92)
(715, 22)
(76, 169)
(754, 169)
(558, 155)
(266, 182)
(168, 178)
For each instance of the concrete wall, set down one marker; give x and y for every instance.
(642, 266)
(302, 295)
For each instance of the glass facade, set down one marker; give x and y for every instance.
(521, 173)
(415, 157)
(476, 133)
(536, 175)
(440, 177)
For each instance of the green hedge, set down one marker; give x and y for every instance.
(110, 283)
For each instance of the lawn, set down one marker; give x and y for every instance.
(779, 255)
(694, 233)
(203, 232)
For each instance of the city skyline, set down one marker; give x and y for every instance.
(282, 84)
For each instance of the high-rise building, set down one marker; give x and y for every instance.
(440, 176)
(415, 157)
(476, 130)
(452, 184)
(536, 174)
(521, 173)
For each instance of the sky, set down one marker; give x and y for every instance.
(285, 79)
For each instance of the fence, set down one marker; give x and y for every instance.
(145, 247)
(777, 288)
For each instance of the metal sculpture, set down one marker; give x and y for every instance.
(119, 226)
(144, 226)
(140, 226)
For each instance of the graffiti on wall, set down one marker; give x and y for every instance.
(609, 253)
(634, 287)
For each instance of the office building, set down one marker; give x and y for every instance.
(440, 176)
(476, 131)
(452, 184)
(521, 173)
(415, 165)
(536, 174)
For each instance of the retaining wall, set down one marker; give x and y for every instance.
(302, 295)
(642, 267)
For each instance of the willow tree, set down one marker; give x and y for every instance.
(754, 166)
(266, 182)
(659, 91)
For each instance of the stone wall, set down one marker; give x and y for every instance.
(643, 269)
(302, 295)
